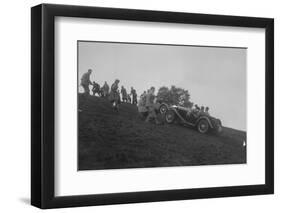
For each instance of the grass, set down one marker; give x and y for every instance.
(114, 140)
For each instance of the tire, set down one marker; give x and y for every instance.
(218, 130)
(163, 109)
(170, 116)
(203, 126)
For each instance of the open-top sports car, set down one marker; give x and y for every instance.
(201, 121)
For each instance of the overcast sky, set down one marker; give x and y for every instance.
(215, 77)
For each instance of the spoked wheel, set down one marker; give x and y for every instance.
(203, 126)
(170, 116)
(163, 109)
(218, 130)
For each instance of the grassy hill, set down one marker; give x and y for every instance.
(113, 140)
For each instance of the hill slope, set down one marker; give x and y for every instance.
(112, 140)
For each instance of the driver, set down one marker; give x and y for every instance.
(202, 110)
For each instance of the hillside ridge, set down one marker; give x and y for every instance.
(114, 140)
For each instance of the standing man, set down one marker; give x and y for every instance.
(143, 95)
(149, 104)
(114, 96)
(124, 94)
(142, 106)
(105, 89)
(129, 100)
(85, 82)
(134, 95)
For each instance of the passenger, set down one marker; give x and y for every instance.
(85, 82)
(114, 96)
(105, 90)
(124, 94)
(207, 111)
(134, 95)
(202, 110)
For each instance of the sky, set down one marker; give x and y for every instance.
(214, 76)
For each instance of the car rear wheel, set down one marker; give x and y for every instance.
(170, 116)
(163, 109)
(203, 126)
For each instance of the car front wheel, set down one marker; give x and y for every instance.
(203, 126)
(170, 116)
(218, 130)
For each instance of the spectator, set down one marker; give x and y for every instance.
(105, 90)
(85, 82)
(134, 95)
(114, 96)
(124, 94)
(96, 89)
(149, 104)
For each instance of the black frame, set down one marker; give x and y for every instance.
(43, 117)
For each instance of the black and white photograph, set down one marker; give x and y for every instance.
(149, 105)
(143, 105)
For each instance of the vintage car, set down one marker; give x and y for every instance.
(203, 122)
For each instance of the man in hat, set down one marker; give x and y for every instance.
(143, 95)
(105, 89)
(141, 106)
(149, 104)
(129, 100)
(96, 89)
(134, 95)
(114, 96)
(85, 82)
(124, 94)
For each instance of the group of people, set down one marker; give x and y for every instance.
(201, 110)
(100, 91)
(126, 97)
(147, 101)
(112, 93)
(147, 105)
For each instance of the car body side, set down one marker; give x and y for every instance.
(214, 123)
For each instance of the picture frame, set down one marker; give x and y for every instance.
(43, 91)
